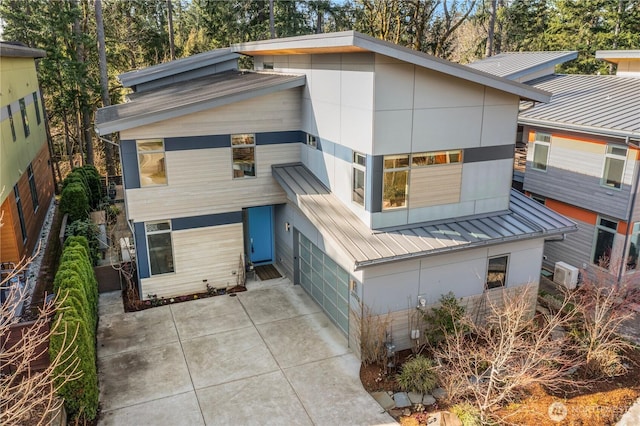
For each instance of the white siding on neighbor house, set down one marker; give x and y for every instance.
(200, 182)
(211, 253)
(269, 113)
(628, 69)
(423, 110)
(396, 286)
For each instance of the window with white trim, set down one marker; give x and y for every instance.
(159, 247)
(151, 162)
(359, 173)
(243, 151)
(614, 162)
(634, 249)
(497, 272)
(603, 245)
(541, 146)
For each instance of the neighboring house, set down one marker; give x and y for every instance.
(26, 180)
(583, 160)
(367, 172)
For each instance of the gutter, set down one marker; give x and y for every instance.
(580, 128)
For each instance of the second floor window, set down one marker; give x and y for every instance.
(151, 162)
(395, 185)
(359, 172)
(614, 162)
(243, 151)
(13, 128)
(32, 187)
(37, 105)
(541, 152)
(25, 119)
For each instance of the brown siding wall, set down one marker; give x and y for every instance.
(13, 248)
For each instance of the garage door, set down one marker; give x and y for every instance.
(325, 281)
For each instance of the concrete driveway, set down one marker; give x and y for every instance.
(267, 357)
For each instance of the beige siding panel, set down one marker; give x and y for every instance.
(278, 111)
(431, 186)
(211, 253)
(200, 183)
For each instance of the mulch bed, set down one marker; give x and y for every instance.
(135, 304)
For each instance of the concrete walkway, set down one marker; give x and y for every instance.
(266, 357)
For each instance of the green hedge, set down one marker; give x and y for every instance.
(77, 288)
(88, 178)
(86, 228)
(74, 201)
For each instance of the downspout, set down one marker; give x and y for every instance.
(634, 195)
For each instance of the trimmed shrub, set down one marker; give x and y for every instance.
(89, 230)
(92, 179)
(418, 375)
(74, 202)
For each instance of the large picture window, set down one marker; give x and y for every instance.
(159, 247)
(243, 147)
(605, 233)
(359, 172)
(151, 162)
(396, 181)
(32, 187)
(25, 119)
(436, 158)
(497, 272)
(614, 162)
(541, 152)
(634, 249)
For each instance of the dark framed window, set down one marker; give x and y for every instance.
(541, 148)
(36, 103)
(359, 173)
(25, 119)
(243, 151)
(603, 246)
(13, 127)
(32, 187)
(159, 247)
(497, 272)
(23, 227)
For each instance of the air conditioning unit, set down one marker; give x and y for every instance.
(566, 275)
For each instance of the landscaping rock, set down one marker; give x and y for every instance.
(383, 398)
(439, 393)
(428, 400)
(402, 400)
(415, 398)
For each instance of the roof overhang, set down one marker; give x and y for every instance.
(592, 130)
(17, 51)
(616, 56)
(181, 99)
(523, 66)
(352, 41)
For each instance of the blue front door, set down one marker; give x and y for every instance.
(260, 234)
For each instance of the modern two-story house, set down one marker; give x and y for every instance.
(370, 174)
(26, 180)
(583, 159)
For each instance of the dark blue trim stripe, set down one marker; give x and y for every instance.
(374, 180)
(129, 159)
(272, 138)
(141, 250)
(193, 222)
(197, 142)
(488, 153)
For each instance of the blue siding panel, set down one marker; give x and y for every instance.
(271, 138)
(182, 223)
(129, 158)
(197, 142)
(488, 153)
(141, 250)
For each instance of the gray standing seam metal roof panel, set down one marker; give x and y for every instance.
(600, 104)
(514, 65)
(525, 219)
(193, 96)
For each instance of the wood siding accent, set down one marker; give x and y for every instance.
(204, 253)
(270, 113)
(574, 174)
(476, 308)
(12, 247)
(200, 182)
(431, 186)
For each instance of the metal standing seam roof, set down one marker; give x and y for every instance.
(190, 63)
(12, 50)
(192, 96)
(515, 65)
(353, 41)
(525, 219)
(600, 104)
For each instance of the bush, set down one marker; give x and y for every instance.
(89, 230)
(93, 184)
(467, 413)
(443, 320)
(418, 375)
(74, 202)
